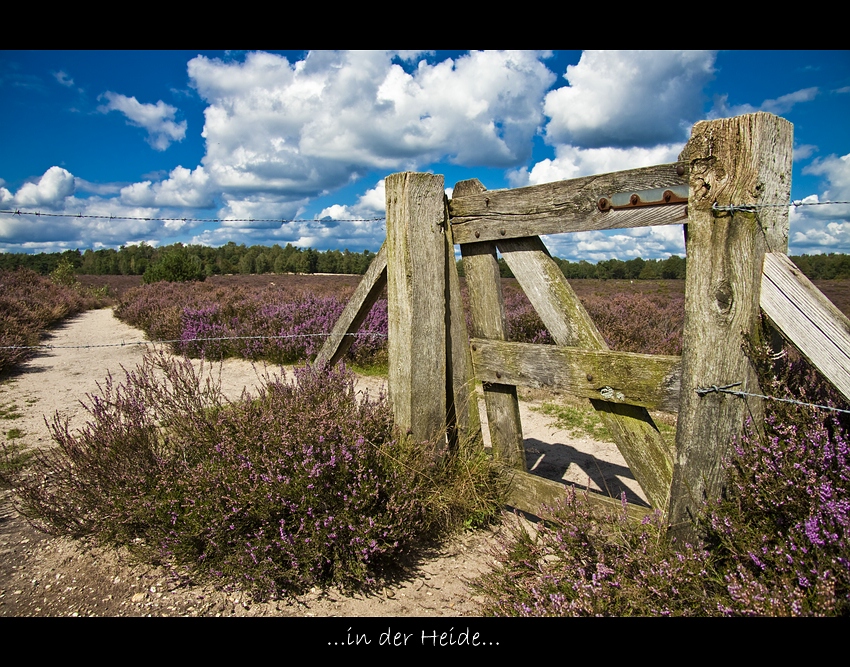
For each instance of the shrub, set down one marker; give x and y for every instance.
(782, 531)
(260, 324)
(303, 484)
(64, 273)
(29, 305)
(176, 264)
(584, 561)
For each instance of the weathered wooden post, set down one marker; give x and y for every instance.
(416, 306)
(488, 321)
(738, 161)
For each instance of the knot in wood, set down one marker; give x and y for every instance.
(724, 297)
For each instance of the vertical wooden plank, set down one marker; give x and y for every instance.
(742, 160)
(356, 310)
(416, 302)
(488, 321)
(461, 398)
(648, 456)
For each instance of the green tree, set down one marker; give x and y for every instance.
(176, 264)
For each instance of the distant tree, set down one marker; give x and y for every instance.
(176, 264)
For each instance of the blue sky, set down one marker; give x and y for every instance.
(311, 135)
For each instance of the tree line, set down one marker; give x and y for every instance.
(233, 258)
(135, 260)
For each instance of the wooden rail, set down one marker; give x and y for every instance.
(566, 206)
(807, 319)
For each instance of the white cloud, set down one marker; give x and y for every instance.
(374, 200)
(572, 162)
(51, 189)
(63, 79)
(819, 227)
(644, 242)
(117, 222)
(183, 188)
(322, 235)
(629, 98)
(371, 204)
(836, 170)
(157, 119)
(303, 128)
(803, 151)
(782, 104)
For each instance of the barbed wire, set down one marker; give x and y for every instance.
(48, 346)
(715, 206)
(727, 389)
(155, 219)
(753, 207)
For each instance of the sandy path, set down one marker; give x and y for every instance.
(43, 575)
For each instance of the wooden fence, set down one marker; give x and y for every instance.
(728, 189)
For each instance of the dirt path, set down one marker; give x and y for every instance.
(41, 575)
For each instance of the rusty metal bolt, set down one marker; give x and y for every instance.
(680, 169)
(502, 232)
(589, 377)
(603, 204)
(478, 235)
(498, 374)
(634, 200)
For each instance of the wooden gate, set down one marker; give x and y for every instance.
(730, 190)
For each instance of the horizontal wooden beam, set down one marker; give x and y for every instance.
(650, 381)
(807, 319)
(566, 206)
(530, 493)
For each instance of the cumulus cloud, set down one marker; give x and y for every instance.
(572, 162)
(595, 246)
(97, 221)
(157, 119)
(304, 128)
(353, 234)
(374, 200)
(50, 190)
(819, 227)
(183, 188)
(629, 98)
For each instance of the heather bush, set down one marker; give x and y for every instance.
(265, 323)
(304, 483)
(783, 528)
(638, 322)
(585, 561)
(628, 319)
(29, 305)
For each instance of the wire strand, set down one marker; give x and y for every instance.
(753, 207)
(155, 219)
(727, 389)
(48, 346)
